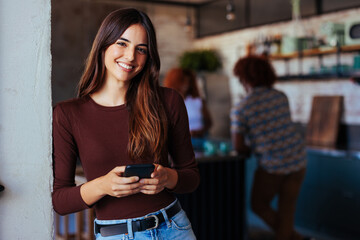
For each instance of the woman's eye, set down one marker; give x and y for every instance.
(142, 50)
(121, 44)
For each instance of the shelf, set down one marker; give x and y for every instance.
(349, 75)
(313, 77)
(315, 52)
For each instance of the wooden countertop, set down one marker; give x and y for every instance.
(334, 152)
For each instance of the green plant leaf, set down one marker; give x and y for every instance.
(200, 60)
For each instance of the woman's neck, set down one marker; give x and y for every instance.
(111, 94)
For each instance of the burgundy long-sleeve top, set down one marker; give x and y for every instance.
(98, 136)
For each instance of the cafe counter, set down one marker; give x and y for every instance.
(217, 208)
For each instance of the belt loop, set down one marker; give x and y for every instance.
(163, 211)
(130, 230)
(96, 230)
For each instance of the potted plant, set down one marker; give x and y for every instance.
(200, 60)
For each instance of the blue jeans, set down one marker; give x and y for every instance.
(177, 227)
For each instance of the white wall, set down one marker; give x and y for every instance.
(25, 120)
(232, 45)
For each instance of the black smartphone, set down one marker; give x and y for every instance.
(140, 170)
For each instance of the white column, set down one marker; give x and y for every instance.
(25, 120)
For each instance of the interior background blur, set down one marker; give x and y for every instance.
(257, 27)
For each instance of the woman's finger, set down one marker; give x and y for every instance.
(150, 181)
(127, 180)
(149, 187)
(126, 187)
(119, 170)
(125, 193)
(150, 191)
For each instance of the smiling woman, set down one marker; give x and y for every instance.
(121, 117)
(125, 58)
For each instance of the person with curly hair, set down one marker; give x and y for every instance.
(261, 124)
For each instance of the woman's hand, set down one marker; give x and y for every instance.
(161, 178)
(112, 184)
(115, 185)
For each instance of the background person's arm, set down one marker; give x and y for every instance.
(239, 144)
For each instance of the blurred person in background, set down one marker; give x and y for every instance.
(261, 124)
(184, 81)
(122, 116)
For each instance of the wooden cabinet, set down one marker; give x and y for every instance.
(250, 13)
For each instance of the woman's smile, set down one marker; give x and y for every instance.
(125, 66)
(125, 58)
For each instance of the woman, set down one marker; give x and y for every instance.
(122, 117)
(263, 117)
(184, 82)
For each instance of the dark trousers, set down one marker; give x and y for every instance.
(287, 187)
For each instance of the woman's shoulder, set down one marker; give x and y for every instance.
(170, 95)
(70, 104)
(173, 102)
(66, 111)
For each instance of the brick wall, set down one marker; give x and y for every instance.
(172, 38)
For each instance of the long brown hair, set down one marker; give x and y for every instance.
(147, 117)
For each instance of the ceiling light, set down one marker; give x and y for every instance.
(188, 22)
(230, 11)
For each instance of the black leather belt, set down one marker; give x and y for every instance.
(148, 223)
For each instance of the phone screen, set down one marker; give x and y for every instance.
(140, 170)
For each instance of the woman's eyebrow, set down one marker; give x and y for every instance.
(141, 44)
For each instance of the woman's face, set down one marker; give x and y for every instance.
(127, 56)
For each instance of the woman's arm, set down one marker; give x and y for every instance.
(162, 177)
(184, 175)
(66, 196)
(180, 146)
(110, 184)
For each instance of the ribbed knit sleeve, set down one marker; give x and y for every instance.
(180, 147)
(66, 196)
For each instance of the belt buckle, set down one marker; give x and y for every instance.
(156, 221)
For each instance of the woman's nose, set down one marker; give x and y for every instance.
(130, 54)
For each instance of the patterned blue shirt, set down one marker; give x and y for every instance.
(264, 118)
